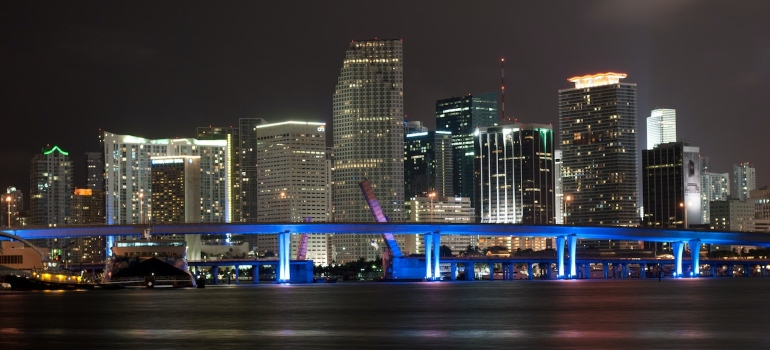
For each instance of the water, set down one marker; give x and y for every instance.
(715, 313)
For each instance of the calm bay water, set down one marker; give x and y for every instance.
(722, 313)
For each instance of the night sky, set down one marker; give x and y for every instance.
(160, 69)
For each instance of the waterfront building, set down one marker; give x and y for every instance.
(427, 163)
(292, 182)
(761, 199)
(744, 180)
(176, 195)
(732, 215)
(128, 175)
(714, 187)
(51, 185)
(661, 127)
(13, 202)
(247, 137)
(87, 209)
(368, 141)
(671, 185)
(598, 139)
(443, 210)
(233, 160)
(462, 116)
(558, 190)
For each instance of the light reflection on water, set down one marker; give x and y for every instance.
(637, 314)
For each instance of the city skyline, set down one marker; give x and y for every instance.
(72, 70)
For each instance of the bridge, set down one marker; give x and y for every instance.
(405, 268)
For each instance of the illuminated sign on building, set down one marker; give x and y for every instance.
(588, 81)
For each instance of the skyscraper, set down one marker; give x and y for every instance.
(661, 127)
(461, 116)
(292, 181)
(514, 165)
(597, 126)
(87, 209)
(247, 135)
(671, 181)
(428, 163)
(714, 187)
(368, 139)
(231, 136)
(744, 180)
(51, 186)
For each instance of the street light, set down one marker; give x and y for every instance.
(431, 195)
(684, 208)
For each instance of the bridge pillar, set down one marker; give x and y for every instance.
(436, 255)
(254, 274)
(237, 275)
(605, 268)
(587, 270)
(529, 271)
(559, 256)
(643, 270)
(491, 271)
(572, 241)
(215, 274)
(284, 257)
(453, 271)
(678, 249)
(624, 270)
(470, 270)
(428, 245)
(695, 253)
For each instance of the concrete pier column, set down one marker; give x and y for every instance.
(695, 253)
(470, 271)
(605, 268)
(237, 274)
(572, 243)
(624, 270)
(491, 271)
(215, 274)
(284, 257)
(643, 270)
(678, 249)
(560, 256)
(428, 245)
(453, 271)
(587, 271)
(529, 271)
(436, 255)
(254, 274)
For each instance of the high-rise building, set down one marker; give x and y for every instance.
(732, 215)
(462, 116)
(744, 180)
(13, 204)
(671, 183)
(443, 210)
(661, 127)
(427, 163)
(51, 185)
(714, 187)
(95, 171)
(292, 181)
(128, 175)
(597, 126)
(368, 141)
(558, 190)
(247, 136)
(414, 126)
(233, 180)
(87, 209)
(514, 165)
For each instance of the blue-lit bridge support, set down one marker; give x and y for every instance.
(695, 253)
(436, 255)
(284, 256)
(560, 256)
(428, 246)
(432, 253)
(572, 243)
(678, 248)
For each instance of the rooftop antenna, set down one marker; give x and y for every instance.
(502, 87)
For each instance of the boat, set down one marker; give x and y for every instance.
(149, 263)
(49, 280)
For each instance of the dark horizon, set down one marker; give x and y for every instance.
(158, 70)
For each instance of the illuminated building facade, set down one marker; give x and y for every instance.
(461, 116)
(444, 210)
(597, 126)
(87, 209)
(51, 185)
(128, 176)
(233, 160)
(368, 141)
(292, 182)
(671, 183)
(428, 163)
(15, 199)
(661, 127)
(247, 135)
(714, 187)
(744, 180)
(558, 189)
